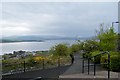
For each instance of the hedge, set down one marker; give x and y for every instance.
(97, 58)
(114, 61)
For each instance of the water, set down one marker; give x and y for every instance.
(31, 46)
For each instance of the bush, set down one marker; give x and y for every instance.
(31, 62)
(97, 58)
(60, 50)
(104, 59)
(75, 48)
(86, 55)
(115, 63)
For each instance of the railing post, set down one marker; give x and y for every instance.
(43, 64)
(88, 65)
(83, 66)
(94, 67)
(58, 61)
(24, 65)
(108, 65)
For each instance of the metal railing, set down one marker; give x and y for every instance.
(18, 67)
(94, 64)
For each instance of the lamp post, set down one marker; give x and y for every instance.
(113, 23)
(118, 36)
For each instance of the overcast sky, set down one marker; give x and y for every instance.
(62, 19)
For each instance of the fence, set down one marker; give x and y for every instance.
(94, 64)
(18, 67)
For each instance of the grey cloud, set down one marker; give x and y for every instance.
(68, 19)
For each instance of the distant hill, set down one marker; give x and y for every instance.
(38, 38)
(31, 38)
(8, 41)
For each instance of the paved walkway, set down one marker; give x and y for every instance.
(75, 71)
(44, 73)
(76, 66)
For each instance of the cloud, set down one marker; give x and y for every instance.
(13, 28)
(68, 19)
(59, 0)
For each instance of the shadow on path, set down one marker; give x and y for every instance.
(76, 66)
(46, 73)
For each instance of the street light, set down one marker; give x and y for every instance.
(113, 23)
(118, 35)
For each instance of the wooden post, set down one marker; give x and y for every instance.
(88, 66)
(43, 64)
(108, 65)
(24, 65)
(83, 66)
(94, 67)
(58, 61)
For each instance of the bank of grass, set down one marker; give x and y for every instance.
(38, 61)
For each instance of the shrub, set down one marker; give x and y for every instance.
(105, 56)
(60, 50)
(115, 63)
(104, 59)
(75, 48)
(86, 55)
(31, 62)
(97, 58)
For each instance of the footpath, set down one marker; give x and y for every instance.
(75, 71)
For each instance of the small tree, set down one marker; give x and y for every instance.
(75, 48)
(91, 45)
(108, 39)
(60, 50)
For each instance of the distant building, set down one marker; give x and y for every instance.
(19, 54)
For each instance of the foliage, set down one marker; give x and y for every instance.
(60, 50)
(75, 48)
(38, 58)
(97, 58)
(118, 42)
(104, 58)
(30, 61)
(90, 46)
(115, 63)
(107, 38)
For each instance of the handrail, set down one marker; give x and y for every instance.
(99, 54)
(43, 64)
(108, 62)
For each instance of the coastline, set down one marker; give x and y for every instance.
(32, 46)
(31, 52)
(23, 41)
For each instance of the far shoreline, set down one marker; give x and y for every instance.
(25, 51)
(21, 41)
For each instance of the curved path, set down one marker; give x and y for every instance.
(75, 71)
(76, 66)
